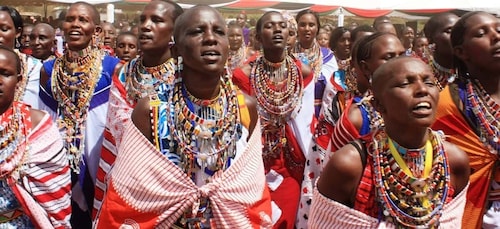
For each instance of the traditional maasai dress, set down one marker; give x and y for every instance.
(285, 169)
(83, 183)
(148, 186)
(127, 88)
(320, 93)
(456, 119)
(368, 212)
(29, 86)
(35, 190)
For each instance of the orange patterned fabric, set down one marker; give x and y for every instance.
(458, 131)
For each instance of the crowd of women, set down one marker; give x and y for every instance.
(190, 122)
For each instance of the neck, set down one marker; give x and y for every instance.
(75, 54)
(307, 44)
(151, 59)
(275, 56)
(201, 85)
(409, 139)
(341, 55)
(443, 60)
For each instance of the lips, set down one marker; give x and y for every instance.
(211, 56)
(422, 109)
(74, 35)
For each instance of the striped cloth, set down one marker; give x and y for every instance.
(327, 213)
(44, 187)
(344, 130)
(146, 190)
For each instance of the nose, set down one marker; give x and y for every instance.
(126, 49)
(146, 25)
(421, 88)
(209, 38)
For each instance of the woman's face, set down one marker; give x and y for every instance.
(79, 26)
(274, 32)
(156, 26)
(343, 46)
(235, 36)
(202, 41)
(8, 32)
(408, 93)
(126, 47)
(441, 35)
(9, 76)
(481, 45)
(307, 28)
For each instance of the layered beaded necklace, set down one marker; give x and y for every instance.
(205, 138)
(236, 58)
(412, 186)
(314, 57)
(278, 88)
(443, 75)
(142, 81)
(15, 126)
(21, 86)
(487, 114)
(73, 84)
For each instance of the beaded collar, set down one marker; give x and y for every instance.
(15, 126)
(443, 75)
(74, 59)
(278, 88)
(73, 88)
(487, 114)
(236, 58)
(408, 199)
(142, 81)
(207, 142)
(314, 57)
(21, 86)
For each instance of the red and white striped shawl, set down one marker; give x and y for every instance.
(44, 190)
(146, 190)
(327, 213)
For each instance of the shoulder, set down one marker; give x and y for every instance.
(459, 166)
(36, 117)
(354, 115)
(340, 176)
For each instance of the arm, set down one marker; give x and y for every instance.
(340, 177)
(459, 166)
(141, 118)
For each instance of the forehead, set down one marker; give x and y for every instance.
(127, 38)
(7, 58)
(241, 16)
(480, 19)
(6, 19)
(203, 16)
(40, 30)
(307, 18)
(80, 10)
(158, 8)
(272, 17)
(234, 29)
(387, 43)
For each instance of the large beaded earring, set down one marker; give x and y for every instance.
(179, 64)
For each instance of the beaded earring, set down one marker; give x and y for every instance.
(18, 44)
(179, 64)
(172, 42)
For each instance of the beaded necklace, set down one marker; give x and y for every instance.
(443, 75)
(21, 86)
(408, 199)
(142, 81)
(314, 57)
(278, 88)
(14, 130)
(207, 139)
(487, 114)
(236, 58)
(73, 88)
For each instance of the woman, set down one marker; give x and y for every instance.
(277, 80)
(394, 177)
(468, 113)
(237, 47)
(340, 43)
(35, 179)
(126, 46)
(139, 78)
(359, 117)
(192, 149)
(74, 89)
(323, 65)
(438, 30)
(11, 20)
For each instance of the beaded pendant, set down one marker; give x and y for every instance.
(278, 88)
(73, 89)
